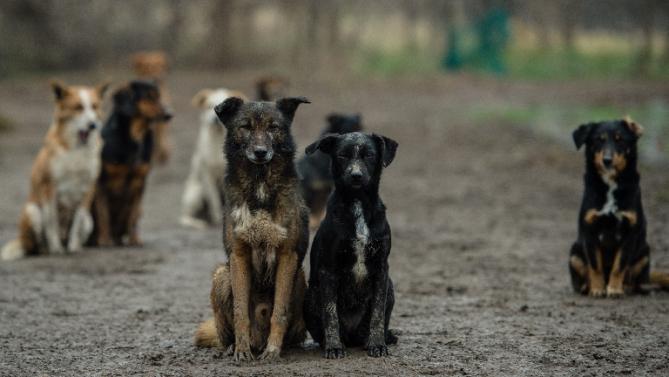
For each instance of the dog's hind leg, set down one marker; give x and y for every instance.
(30, 235)
(192, 202)
(312, 314)
(390, 304)
(218, 332)
(297, 330)
(213, 198)
(578, 269)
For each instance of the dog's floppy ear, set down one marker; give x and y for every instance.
(325, 144)
(633, 126)
(59, 89)
(387, 147)
(200, 99)
(581, 134)
(227, 109)
(124, 101)
(288, 105)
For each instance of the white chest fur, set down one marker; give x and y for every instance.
(74, 172)
(360, 242)
(610, 206)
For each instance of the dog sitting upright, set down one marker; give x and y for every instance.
(126, 162)
(257, 295)
(203, 193)
(350, 296)
(315, 176)
(56, 217)
(611, 255)
(153, 66)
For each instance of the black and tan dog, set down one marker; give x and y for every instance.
(257, 296)
(126, 162)
(350, 296)
(611, 255)
(314, 169)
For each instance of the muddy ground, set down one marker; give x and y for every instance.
(482, 216)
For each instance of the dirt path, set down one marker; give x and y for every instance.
(482, 218)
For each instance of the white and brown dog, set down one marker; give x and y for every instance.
(57, 217)
(202, 198)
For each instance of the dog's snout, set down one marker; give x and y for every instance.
(607, 161)
(260, 152)
(356, 175)
(167, 115)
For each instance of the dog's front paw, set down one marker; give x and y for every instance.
(242, 355)
(377, 350)
(612, 292)
(270, 353)
(334, 352)
(597, 292)
(74, 245)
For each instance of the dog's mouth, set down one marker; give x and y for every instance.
(83, 136)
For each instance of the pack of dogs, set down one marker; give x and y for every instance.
(88, 180)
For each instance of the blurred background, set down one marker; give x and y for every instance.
(512, 40)
(520, 38)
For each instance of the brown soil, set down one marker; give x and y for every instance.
(482, 215)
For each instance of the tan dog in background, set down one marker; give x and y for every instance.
(153, 65)
(203, 194)
(57, 217)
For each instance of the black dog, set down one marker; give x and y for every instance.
(611, 254)
(126, 162)
(350, 296)
(316, 178)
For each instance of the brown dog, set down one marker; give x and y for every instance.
(257, 296)
(56, 217)
(126, 162)
(153, 65)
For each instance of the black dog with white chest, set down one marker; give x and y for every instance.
(611, 255)
(350, 296)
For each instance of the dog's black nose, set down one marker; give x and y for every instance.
(607, 161)
(92, 126)
(260, 153)
(356, 176)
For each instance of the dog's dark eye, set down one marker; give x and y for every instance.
(79, 107)
(341, 157)
(96, 106)
(274, 128)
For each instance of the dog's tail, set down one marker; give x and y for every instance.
(12, 250)
(206, 335)
(660, 279)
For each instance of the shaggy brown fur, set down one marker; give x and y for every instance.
(271, 88)
(257, 296)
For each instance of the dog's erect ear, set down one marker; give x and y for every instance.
(200, 99)
(325, 144)
(387, 148)
(633, 126)
(333, 118)
(288, 105)
(227, 109)
(59, 89)
(124, 101)
(101, 89)
(582, 133)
